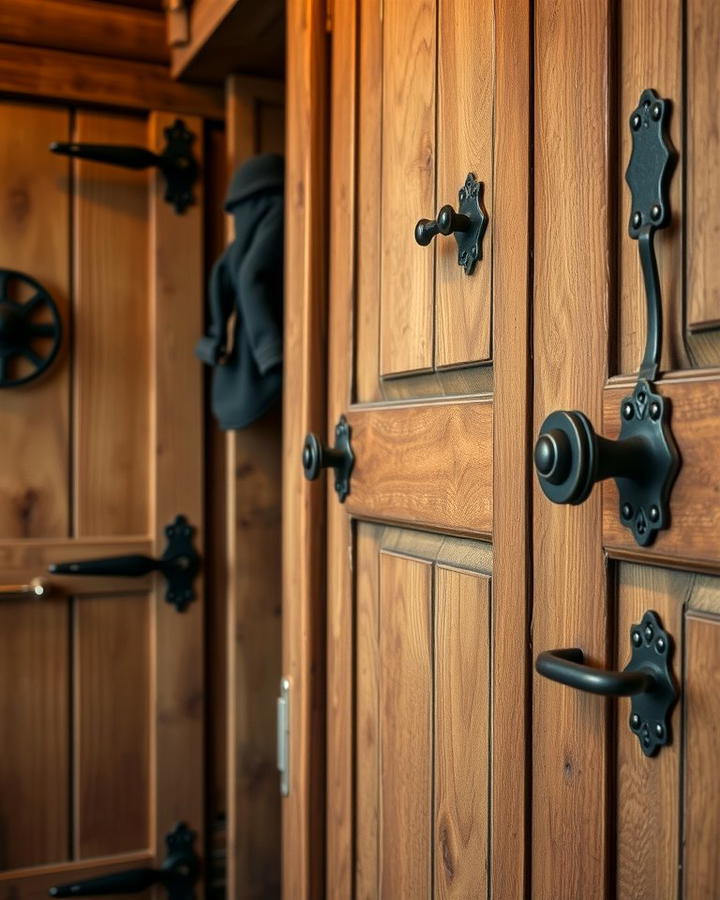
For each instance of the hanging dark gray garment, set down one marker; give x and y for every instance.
(247, 280)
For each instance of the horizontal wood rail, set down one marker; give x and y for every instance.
(426, 465)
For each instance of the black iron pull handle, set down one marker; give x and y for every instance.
(317, 456)
(468, 224)
(647, 679)
(177, 874)
(569, 456)
(177, 163)
(179, 564)
(567, 667)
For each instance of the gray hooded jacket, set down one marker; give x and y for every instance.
(247, 280)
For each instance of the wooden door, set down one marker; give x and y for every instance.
(426, 573)
(628, 825)
(101, 680)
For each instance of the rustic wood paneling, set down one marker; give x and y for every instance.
(35, 223)
(427, 464)
(111, 466)
(406, 709)
(465, 121)
(408, 186)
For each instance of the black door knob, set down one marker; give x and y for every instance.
(447, 222)
(570, 458)
(468, 225)
(317, 456)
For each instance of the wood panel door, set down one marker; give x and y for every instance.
(426, 573)
(629, 825)
(101, 679)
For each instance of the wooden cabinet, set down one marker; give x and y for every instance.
(451, 767)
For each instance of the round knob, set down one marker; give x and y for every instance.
(565, 457)
(448, 221)
(312, 457)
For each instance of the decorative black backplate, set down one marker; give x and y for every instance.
(181, 863)
(470, 200)
(179, 166)
(645, 498)
(30, 330)
(342, 471)
(650, 712)
(179, 563)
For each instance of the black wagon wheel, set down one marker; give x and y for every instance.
(21, 335)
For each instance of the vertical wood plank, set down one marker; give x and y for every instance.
(649, 57)
(340, 625)
(462, 718)
(253, 476)
(112, 720)
(34, 733)
(408, 186)
(34, 221)
(304, 410)
(369, 177)
(570, 760)
(466, 93)
(406, 710)
(702, 165)
(512, 434)
(648, 814)
(176, 459)
(367, 712)
(701, 866)
(112, 327)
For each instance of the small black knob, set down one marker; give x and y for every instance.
(317, 456)
(447, 222)
(566, 457)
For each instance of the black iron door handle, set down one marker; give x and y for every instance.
(567, 667)
(178, 873)
(468, 224)
(177, 163)
(179, 564)
(569, 456)
(647, 678)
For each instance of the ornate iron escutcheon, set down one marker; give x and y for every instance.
(569, 456)
(177, 163)
(178, 873)
(29, 329)
(179, 565)
(647, 678)
(317, 456)
(468, 224)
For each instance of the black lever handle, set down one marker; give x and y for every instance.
(177, 874)
(567, 667)
(177, 164)
(646, 678)
(179, 564)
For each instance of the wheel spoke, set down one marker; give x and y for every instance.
(29, 305)
(34, 357)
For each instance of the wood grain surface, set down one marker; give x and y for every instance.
(466, 97)
(425, 464)
(408, 186)
(570, 765)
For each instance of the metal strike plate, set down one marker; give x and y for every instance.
(652, 648)
(645, 498)
(283, 736)
(470, 204)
